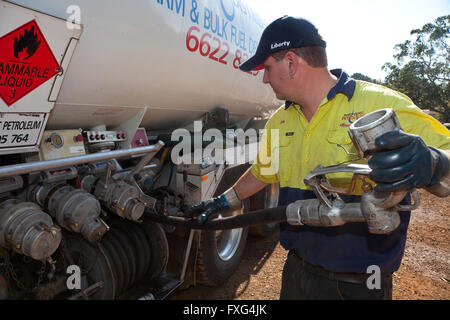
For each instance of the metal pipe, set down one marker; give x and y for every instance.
(439, 190)
(310, 212)
(24, 168)
(352, 213)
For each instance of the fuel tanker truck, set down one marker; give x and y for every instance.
(108, 111)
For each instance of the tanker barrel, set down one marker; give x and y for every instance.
(19, 169)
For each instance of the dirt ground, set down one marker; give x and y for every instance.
(423, 275)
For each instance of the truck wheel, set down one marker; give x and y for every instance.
(220, 252)
(264, 199)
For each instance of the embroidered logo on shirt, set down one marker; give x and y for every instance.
(289, 134)
(349, 118)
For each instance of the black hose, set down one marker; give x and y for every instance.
(271, 215)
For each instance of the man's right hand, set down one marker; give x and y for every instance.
(227, 200)
(207, 207)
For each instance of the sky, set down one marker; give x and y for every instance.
(360, 34)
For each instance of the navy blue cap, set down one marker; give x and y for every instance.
(284, 33)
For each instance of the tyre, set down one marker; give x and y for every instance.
(264, 199)
(220, 252)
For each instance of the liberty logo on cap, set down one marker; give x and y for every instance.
(280, 44)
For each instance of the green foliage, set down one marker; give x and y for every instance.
(363, 77)
(422, 69)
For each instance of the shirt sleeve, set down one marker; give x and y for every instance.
(264, 168)
(414, 120)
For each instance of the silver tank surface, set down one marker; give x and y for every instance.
(178, 58)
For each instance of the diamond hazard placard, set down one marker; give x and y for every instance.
(26, 62)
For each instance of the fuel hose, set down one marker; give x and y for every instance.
(264, 216)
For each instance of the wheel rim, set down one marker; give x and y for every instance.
(227, 241)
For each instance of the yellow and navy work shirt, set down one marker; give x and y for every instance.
(291, 147)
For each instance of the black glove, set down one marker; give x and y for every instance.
(405, 162)
(207, 208)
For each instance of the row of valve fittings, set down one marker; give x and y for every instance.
(26, 224)
(122, 198)
(73, 209)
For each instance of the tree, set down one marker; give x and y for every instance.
(422, 71)
(363, 77)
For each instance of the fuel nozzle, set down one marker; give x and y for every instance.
(379, 210)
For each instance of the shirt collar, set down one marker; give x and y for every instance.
(345, 85)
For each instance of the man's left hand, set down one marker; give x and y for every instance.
(405, 162)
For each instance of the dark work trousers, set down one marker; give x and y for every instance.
(300, 282)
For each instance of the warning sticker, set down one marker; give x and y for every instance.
(20, 130)
(26, 62)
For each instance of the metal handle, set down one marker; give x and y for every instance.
(24, 168)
